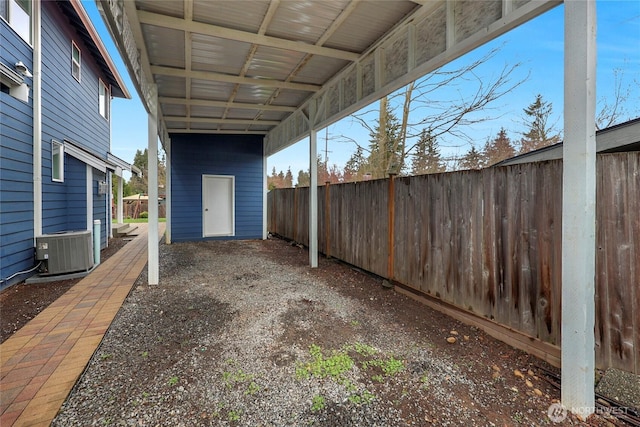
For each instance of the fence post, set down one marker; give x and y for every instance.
(391, 206)
(327, 220)
(295, 214)
(274, 219)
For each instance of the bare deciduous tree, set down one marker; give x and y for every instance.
(429, 103)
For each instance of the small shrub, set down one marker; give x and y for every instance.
(144, 214)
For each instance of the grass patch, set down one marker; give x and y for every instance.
(340, 366)
(136, 220)
(317, 403)
(322, 367)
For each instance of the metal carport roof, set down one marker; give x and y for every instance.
(286, 69)
(282, 67)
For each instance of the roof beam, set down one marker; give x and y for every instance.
(242, 36)
(224, 104)
(219, 132)
(219, 77)
(221, 121)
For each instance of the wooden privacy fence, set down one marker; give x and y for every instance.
(487, 244)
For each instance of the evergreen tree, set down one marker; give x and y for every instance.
(385, 148)
(353, 167)
(275, 180)
(499, 149)
(471, 160)
(427, 157)
(138, 184)
(540, 133)
(304, 180)
(288, 178)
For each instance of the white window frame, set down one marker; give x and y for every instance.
(14, 14)
(57, 159)
(104, 99)
(76, 64)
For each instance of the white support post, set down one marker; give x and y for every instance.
(167, 191)
(120, 201)
(578, 208)
(152, 190)
(88, 173)
(265, 190)
(108, 207)
(313, 196)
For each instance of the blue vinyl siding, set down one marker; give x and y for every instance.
(70, 108)
(70, 112)
(195, 155)
(76, 192)
(16, 166)
(99, 205)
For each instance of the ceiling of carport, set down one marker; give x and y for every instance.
(282, 67)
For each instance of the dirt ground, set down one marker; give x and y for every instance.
(245, 334)
(22, 302)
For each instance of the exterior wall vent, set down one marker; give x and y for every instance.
(65, 252)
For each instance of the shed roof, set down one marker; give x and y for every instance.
(615, 139)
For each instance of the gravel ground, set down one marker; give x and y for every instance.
(244, 333)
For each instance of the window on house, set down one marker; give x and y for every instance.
(18, 14)
(105, 100)
(75, 61)
(57, 161)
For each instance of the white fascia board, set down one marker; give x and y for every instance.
(86, 157)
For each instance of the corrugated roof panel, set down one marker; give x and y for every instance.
(260, 128)
(232, 127)
(173, 109)
(273, 115)
(165, 46)
(367, 24)
(319, 70)
(171, 8)
(171, 86)
(244, 15)
(241, 113)
(175, 125)
(211, 90)
(304, 20)
(203, 126)
(203, 111)
(254, 94)
(274, 63)
(291, 97)
(210, 54)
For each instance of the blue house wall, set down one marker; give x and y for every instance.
(70, 112)
(16, 165)
(194, 155)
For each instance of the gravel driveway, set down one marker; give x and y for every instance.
(244, 333)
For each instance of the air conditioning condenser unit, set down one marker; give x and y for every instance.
(65, 252)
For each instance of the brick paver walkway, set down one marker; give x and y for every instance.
(42, 361)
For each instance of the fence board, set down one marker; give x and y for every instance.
(489, 242)
(618, 257)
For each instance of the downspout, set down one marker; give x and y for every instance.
(37, 121)
(167, 191)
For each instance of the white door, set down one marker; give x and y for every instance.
(218, 212)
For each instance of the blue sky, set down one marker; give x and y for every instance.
(536, 45)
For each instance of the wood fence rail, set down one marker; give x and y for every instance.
(487, 244)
